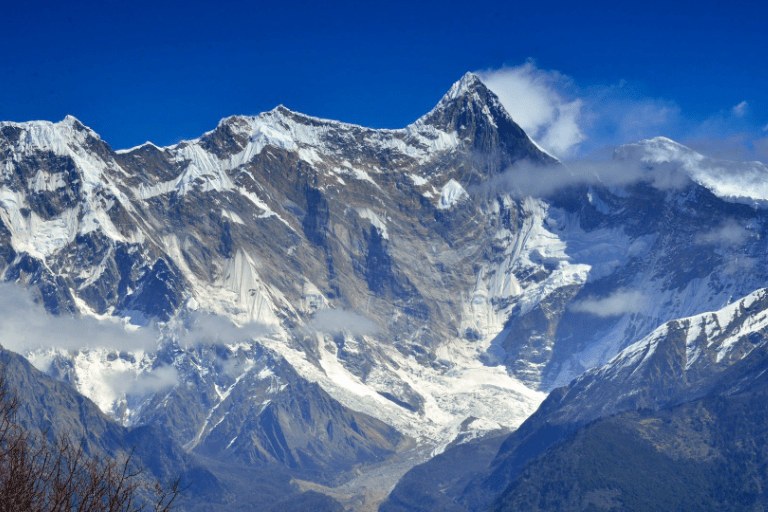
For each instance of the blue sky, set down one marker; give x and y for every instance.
(612, 72)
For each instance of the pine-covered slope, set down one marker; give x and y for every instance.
(706, 454)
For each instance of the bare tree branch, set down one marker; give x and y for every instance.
(37, 475)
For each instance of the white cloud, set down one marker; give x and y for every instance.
(525, 179)
(740, 110)
(568, 120)
(620, 302)
(745, 264)
(144, 383)
(203, 328)
(25, 326)
(338, 320)
(564, 135)
(536, 101)
(728, 233)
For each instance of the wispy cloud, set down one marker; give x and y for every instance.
(26, 326)
(740, 110)
(568, 120)
(338, 320)
(525, 179)
(144, 383)
(537, 101)
(740, 265)
(729, 233)
(203, 329)
(618, 303)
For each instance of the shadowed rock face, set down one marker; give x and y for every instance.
(475, 114)
(701, 442)
(158, 293)
(293, 423)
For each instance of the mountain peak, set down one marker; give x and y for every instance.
(466, 84)
(70, 119)
(656, 150)
(475, 114)
(468, 90)
(69, 122)
(74, 123)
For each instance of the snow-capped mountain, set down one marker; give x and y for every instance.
(271, 219)
(319, 291)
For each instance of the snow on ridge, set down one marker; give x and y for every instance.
(708, 327)
(281, 109)
(740, 182)
(31, 234)
(550, 155)
(275, 128)
(69, 122)
(279, 127)
(458, 89)
(134, 148)
(67, 138)
(49, 136)
(463, 86)
(418, 181)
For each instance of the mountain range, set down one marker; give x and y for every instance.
(300, 313)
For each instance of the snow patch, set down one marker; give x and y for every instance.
(451, 194)
(381, 226)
